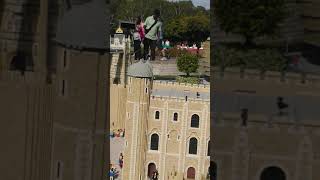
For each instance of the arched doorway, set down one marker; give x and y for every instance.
(191, 173)
(273, 173)
(151, 168)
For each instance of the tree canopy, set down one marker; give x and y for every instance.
(250, 18)
(188, 63)
(192, 29)
(181, 20)
(129, 9)
(262, 59)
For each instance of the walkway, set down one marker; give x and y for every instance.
(116, 147)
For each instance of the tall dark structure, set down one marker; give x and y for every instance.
(53, 89)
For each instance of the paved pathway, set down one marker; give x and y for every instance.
(116, 147)
(169, 68)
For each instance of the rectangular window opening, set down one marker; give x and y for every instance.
(63, 87)
(64, 59)
(58, 170)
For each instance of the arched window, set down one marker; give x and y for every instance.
(154, 145)
(195, 121)
(157, 115)
(191, 173)
(175, 117)
(151, 169)
(208, 153)
(272, 173)
(193, 146)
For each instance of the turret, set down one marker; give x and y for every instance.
(138, 102)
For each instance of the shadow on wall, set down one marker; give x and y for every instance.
(27, 21)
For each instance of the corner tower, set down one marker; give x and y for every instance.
(138, 102)
(82, 95)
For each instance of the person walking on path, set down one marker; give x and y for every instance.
(111, 174)
(152, 28)
(121, 160)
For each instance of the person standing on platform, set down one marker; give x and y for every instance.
(152, 28)
(138, 37)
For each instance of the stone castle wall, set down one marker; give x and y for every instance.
(255, 75)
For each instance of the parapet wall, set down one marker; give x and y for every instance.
(285, 78)
(16, 77)
(171, 84)
(180, 99)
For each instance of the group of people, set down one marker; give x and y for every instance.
(117, 133)
(113, 173)
(155, 175)
(147, 33)
(184, 46)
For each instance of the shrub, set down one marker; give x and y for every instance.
(262, 59)
(190, 80)
(188, 63)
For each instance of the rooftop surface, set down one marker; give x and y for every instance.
(181, 94)
(84, 26)
(301, 107)
(140, 69)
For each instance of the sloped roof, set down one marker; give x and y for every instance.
(141, 69)
(84, 26)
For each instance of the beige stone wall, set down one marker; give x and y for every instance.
(262, 147)
(138, 103)
(118, 98)
(173, 150)
(80, 114)
(172, 157)
(241, 153)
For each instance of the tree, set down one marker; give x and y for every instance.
(193, 29)
(250, 18)
(188, 63)
(227, 57)
(261, 59)
(129, 10)
(265, 60)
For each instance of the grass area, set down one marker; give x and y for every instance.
(312, 39)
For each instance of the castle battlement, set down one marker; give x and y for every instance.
(285, 78)
(180, 99)
(177, 84)
(232, 120)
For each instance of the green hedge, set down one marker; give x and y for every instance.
(190, 80)
(267, 59)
